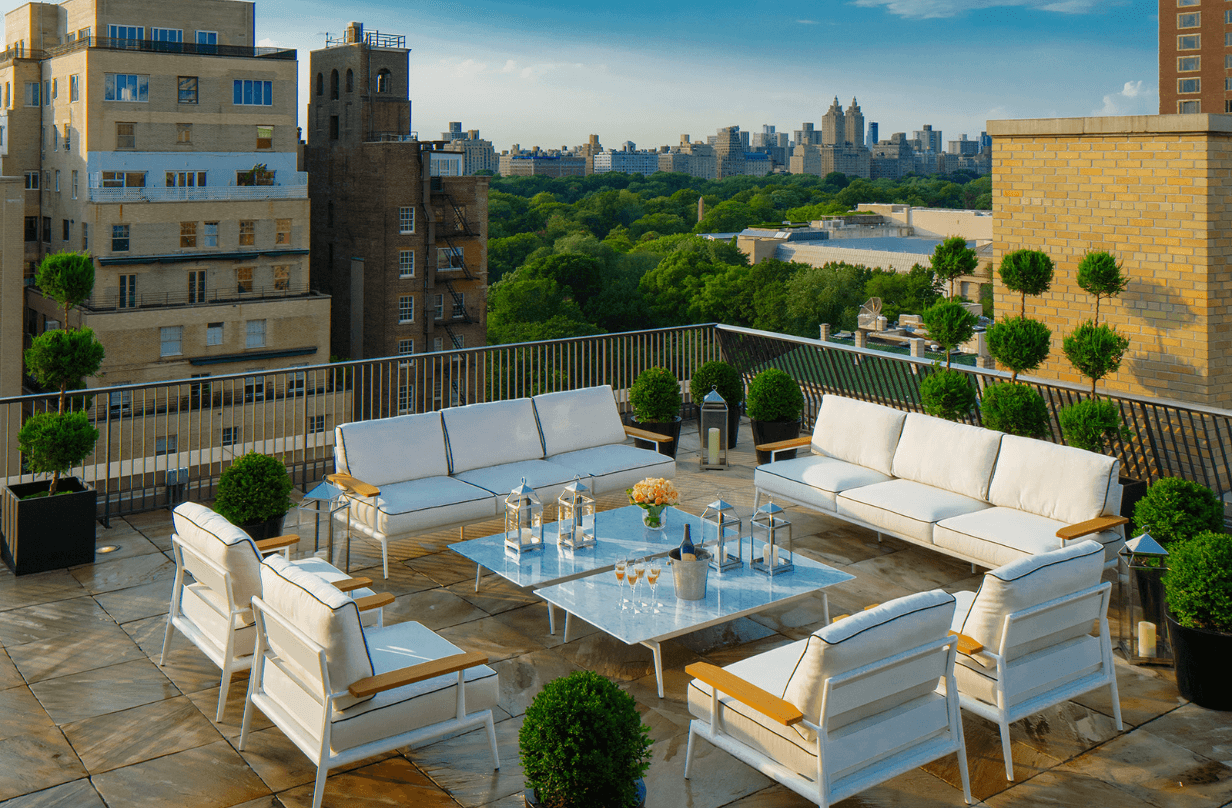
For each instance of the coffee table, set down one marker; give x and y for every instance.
(597, 599)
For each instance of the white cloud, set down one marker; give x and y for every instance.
(269, 43)
(933, 9)
(1135, 98)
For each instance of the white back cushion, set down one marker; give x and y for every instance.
(858, 432)
(1029, 582)
(1058, 482)
(392, 450)
(943, 454)
(578, 419)
(328, 617)
(211, 535)
(492, 434)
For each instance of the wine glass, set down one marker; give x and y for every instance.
(620, 576)
(637, 572)
(653, 571)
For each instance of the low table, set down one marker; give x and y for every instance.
(734, 593)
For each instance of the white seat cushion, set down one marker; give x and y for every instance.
(616, 466)
(904, 507)
(578, 419)
(548, 479)
(211, 535)
(943, 454)
(492, 434)
(423, 504)
(998, 536)
(814, 480)
(378, 451)
(1059, 482)
(858, 432)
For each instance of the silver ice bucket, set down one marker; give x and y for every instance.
(690, 575)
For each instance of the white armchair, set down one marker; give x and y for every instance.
(341, 692)
(1031, 621)
(858, 702)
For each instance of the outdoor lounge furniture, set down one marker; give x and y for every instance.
(858, 702)
(1033, 619)
(971, 493)
(420, 472)
(341, 692)
(217, 573)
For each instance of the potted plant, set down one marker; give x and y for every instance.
(254, 494)
(583, 745)
(952, 259)
(726, 379)
(1021, 345)
(1175, 509)
(774, 405)
(50, 524)
(1014, 409)
(1199, 589)
(947, 393)
(655, 396)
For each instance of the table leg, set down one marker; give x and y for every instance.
(568, 622)
(551, 619)
(477, 570)
(655, 648)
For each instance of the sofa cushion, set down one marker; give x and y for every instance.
(1059, 482)
(943, 454)
(491, 434)
(391, 450)
(616, 466)
(578, 419)
(424, 504)
(998, 536)
(904, 507)
(858, 432)
(211, 535)
(813, 480)
(546, 478)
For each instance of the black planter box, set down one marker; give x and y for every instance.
(1203, 659)
(669, 428)
(47, 533)
(773, 432)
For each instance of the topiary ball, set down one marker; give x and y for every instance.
(947, 394)
(1173, 510)
(1199, 581)
(1015, 409)
(254, 488)
(655, 396)
(774, 396)
(717, 375)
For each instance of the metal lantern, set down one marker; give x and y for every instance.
(1143, 633)
(720, 520)
(712, 423)
(523, 520)
(575, 512)
(771, 526)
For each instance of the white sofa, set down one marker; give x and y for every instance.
(421, 472)
(971, 493)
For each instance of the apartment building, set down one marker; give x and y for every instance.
(1195, 57)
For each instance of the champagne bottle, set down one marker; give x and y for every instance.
(687, 551)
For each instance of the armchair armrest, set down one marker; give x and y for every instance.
(784, 445)
(746, 693)
(353, 485)
(374, 601)
(967, 645)
(416, 673)
(276, 543)
(350, 584)
(653, 437)
(1097, 525)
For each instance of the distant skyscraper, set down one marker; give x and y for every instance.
(872, 134)
(833, 126)
(854, 120)
(985, 143)
(729, 152)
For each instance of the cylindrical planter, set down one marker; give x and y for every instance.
(669, 428)
(773, 432)
(1203, 659)
(531, 802)
(267, 529)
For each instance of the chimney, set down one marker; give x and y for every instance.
(354, 32)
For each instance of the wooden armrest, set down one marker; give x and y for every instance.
(350, 584)
(416, 673)
(1097, 525)
(791, 443)
(634, 432)
(746, 693)
(967, 645)
(840, 617)
(374, 601)
(276, 543)
(351, 484)
(871, 606)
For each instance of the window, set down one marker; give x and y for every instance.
(210, 235)
(333, 85)
(1227, 106)
(406, 263)
(248, 232)
(448, 257)
(68, 138)
(174, 35)
(172, 338)
(55, 88)
(459, 305)
(32, 180)
(85, 236)
(55, 139)
(183, 133)
(207, 42)
(228, 435)
(185, 179)
(213, 334)
(196, 286)
(1227, 83)
(1189, 42)
(320, 84)
(74, 88)
(1184, 3)
(295, 382)
(437, 344)
(188, 89)
(46, 92)
(129, 34)
(316, 424)
(265, 137)
(255, 334)
(1227, 40)
(439, 305)
(188, 235)
(123, 179)
(73, 182)
(254, 388)
(34, 93)
(47, 179)
(282, 279)
(119, 238)
(126, 87)
(406, 309)
(350, 85)
(1189, 107)
(1189, 85)
(126, 135)
(384, 81)
(406, 394)
(57, 180)
(31, 228)
(165, 446)
(406, 220)
(282, 231)
(333, 127)
(128, 292)
(406, 347)
(243, 279)
(252, 93)
(1227, 18)
(459, 340)
(1192, 19)
(64, 230)
(121, 401)
(255, 176)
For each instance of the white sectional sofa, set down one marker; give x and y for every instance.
(971, 493)
(420, 472)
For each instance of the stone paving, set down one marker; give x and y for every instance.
(88, 718)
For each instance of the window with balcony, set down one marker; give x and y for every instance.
(282, 279)
(188, 235)
(187, 89)
(196, 287)
(198, 390)
(406, 263)
(166, 446)
(172, 339)
(32, 180)
(74, 88)
(119, 238)
(126, 87)
(296, 382)
(282, 231)
(127, 298)
(126, 33)
(248, 232)
(209, 235)
(123, 179)
(406, 309)
(183, 133)
(257, 175)
(167, 35)
(1189, 42)
(126, 135)
(1189, 85)
(186, 179)
(207, 42)
(34, 94)
(254, 336)
(246, 92)
(243, 279)
(265, 137)
(406, 220)
(1191, 19)
(213, 334)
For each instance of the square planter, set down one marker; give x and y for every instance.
(47, 533)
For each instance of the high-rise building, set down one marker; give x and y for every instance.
(964, 147)
(1194, 54)
(840, 146)
(928, 140)
(871, 140)
(854, 119)
(729, 152)
(478, 154)
(833, 126)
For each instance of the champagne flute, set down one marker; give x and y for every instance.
(652, 578)
(633, 572)
(620, 577)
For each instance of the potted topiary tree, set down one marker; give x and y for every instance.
(583, 745)
(50, 524)
(774, 405)
(1175, 509)
(947, 393)
(254, 494)
(1199, 589)
(1015, 409)
(726, 379)
(1021, 345)
(655, 396)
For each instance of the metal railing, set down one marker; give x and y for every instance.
(158, 46)
(206, 193)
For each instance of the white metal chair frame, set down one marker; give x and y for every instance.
(822, 790)
(311, 656)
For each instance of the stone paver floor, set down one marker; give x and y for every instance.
(88, 718)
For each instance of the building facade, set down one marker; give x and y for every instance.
(627, 162)
(478, 154)
(1195, 52)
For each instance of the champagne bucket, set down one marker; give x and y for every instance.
(690, 576)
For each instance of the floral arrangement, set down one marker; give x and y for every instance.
(653, 495)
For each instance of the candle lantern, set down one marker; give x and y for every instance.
(523, 520)
(720, 520)
(712, 424)
(771, 526)
(575, 512)
(1143, 633)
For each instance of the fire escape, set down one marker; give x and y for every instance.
(447, 229)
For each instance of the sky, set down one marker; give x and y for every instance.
(551, 73)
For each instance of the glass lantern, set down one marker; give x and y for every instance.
(523, 520)
(712, 424)
(1143, 631)
(575, 512)
(720, 520)
(772, 527)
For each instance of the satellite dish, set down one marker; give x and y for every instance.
(870, 312)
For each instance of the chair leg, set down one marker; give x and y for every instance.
(162, 658)
(318, 793)
(688, 752)
(492, 742)
(385, 557)
(1116, 702)
(963, 773)
(1005, 750)
(222, 695)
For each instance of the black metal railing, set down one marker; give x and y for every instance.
(116, 300)
(157, 46)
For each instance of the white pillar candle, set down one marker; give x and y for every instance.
(1146, 639)
(712, 446)
(770, 559)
